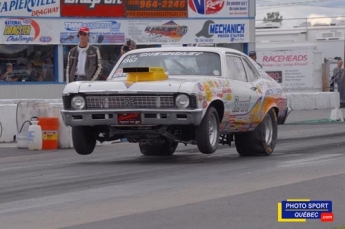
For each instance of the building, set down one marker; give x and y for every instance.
(295, 56)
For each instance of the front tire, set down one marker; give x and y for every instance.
(207, 134)
(262, 140)
(166, 148)
(84, 139)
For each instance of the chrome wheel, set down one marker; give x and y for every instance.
(268, 129)
(213, 130)
(207, 133)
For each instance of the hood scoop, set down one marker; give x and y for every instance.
(140, 74)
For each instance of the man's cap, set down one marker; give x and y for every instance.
(84, 29)
(9, 64)
(252, 53)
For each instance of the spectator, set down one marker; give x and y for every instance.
(252, 54)
(9, 75)
(129, 45)
(32, 72)
(48, 66)
(47, 75)
(339, 79)
(84, 61)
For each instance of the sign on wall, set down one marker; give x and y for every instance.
(30, 8)
(218, 8)
(293, 69)
(156, 9)
(188, 31)
(28, 31)
(92, 8)
(112, 31)
(101, 31)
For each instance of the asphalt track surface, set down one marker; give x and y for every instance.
(117, 187)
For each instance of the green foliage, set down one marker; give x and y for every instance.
(273, 17)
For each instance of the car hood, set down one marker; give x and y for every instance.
(122, 86)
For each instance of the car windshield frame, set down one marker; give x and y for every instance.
(174, 63)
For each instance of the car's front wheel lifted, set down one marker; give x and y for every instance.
(165, 148)
(262, 140)
(84, 139)
(207, 134)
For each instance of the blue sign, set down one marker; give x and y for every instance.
(299, 210)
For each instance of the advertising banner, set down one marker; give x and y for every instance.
(30, 8)
(293, 69)
(156, 9)
(188, 31)
(101, 31)
(218, 8)
(92, 8)
(28, 31)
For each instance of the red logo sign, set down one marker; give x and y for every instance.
(326, 217)
(206, 6)
(92, 8)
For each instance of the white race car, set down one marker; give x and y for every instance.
(159, 97)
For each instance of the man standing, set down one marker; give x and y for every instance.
(339, 78)
(252, 54)
(84, 61)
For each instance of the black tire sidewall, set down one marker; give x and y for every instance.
(254, 143)
(202, 133)
(166, 148)
(83, 139)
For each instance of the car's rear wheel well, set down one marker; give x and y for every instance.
(219, 106)
(276, 110)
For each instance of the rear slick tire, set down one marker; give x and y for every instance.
(262, 140)
(84, 139)
(166, 148)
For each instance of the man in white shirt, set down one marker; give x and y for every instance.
(84, 61)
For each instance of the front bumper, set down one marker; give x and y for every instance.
(148, 117)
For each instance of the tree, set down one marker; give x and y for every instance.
(273, 17)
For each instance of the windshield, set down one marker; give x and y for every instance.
(174, 63)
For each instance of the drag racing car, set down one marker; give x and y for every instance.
(160, 97)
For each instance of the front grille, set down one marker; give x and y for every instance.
(129, 101)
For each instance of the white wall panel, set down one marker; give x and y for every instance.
(34, 91)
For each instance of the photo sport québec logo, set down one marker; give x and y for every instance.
(301, 210)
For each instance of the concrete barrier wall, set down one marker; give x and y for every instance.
(8, 127)
(8, 112)
(313, 100)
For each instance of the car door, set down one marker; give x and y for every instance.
(253, 76)
(244, 94)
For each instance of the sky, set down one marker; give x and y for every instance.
(315, 10)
